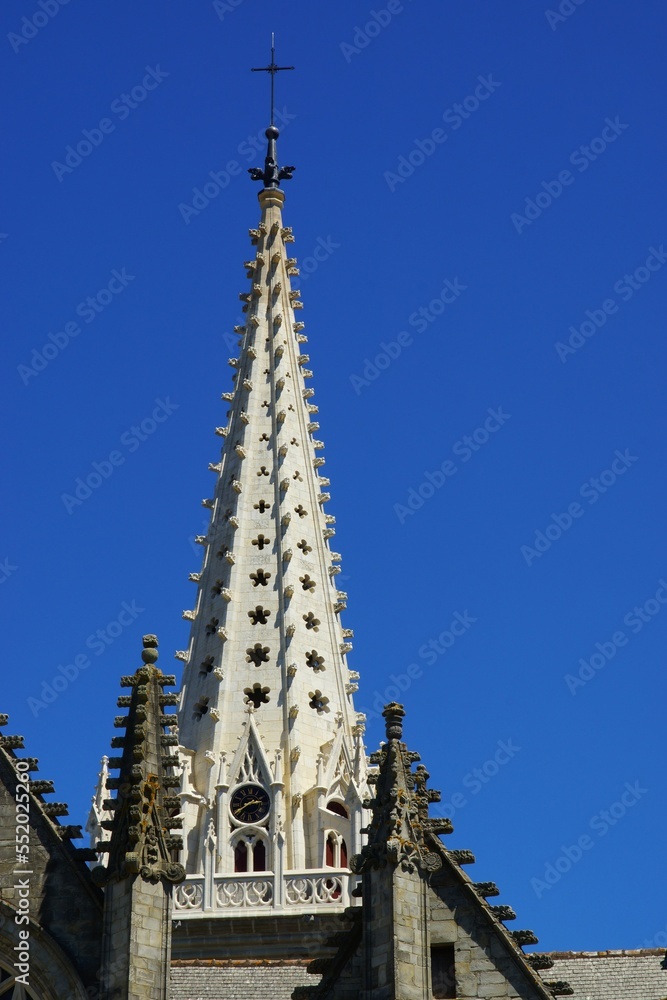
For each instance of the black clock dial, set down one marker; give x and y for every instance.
(249, 804)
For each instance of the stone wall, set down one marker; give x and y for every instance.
(484, 963)
(58, 894)
(137, 940)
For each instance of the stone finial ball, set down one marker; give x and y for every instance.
(149, 653)
(393, 714)
(272, 132)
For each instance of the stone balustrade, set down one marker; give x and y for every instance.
(258, 892)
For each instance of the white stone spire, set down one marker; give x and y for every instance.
(99, 813)
(274, 768)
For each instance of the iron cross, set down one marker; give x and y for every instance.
(272, 69)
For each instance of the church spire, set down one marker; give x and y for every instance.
(274, 765)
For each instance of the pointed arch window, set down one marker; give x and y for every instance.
(250, 853)
(338, 808)
(11, 990)
(241, 857)
(335, 850)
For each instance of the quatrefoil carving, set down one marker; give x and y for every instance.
(314, 660)
(200, 709)
(260, 578)
(304, 546)
(206, 665)
(307, 583)
(256, 695)
(311, 621)
(318, 701)
(257, 654)
(259, 616)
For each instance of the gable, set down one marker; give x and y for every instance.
(250, 762)
(485, 962)
(57, 895)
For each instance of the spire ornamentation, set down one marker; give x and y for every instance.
(141, 842)
(400, 807)
(272, 174)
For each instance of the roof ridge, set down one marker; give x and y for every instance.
(610, 953)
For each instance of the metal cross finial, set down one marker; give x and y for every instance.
(272, 69)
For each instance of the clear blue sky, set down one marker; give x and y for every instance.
(481, 179)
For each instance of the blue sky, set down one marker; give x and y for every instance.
(479, 216)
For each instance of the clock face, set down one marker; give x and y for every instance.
(250, 804)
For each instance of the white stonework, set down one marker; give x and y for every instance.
(99, 813)
(267, 694)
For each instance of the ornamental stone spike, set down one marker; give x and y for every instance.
(140, 841)
(99, 813)
(283, 653)
(400, 821)
(141, 873)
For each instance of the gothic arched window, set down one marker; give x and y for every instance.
(250, 854)
(11, 990)
(338, 808)
(335, 851)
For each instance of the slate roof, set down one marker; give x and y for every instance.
(613, 975)
(594, 975)
(229, 979)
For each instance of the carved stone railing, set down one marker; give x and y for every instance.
(228, 895)
(315, 889)
(248, 892)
